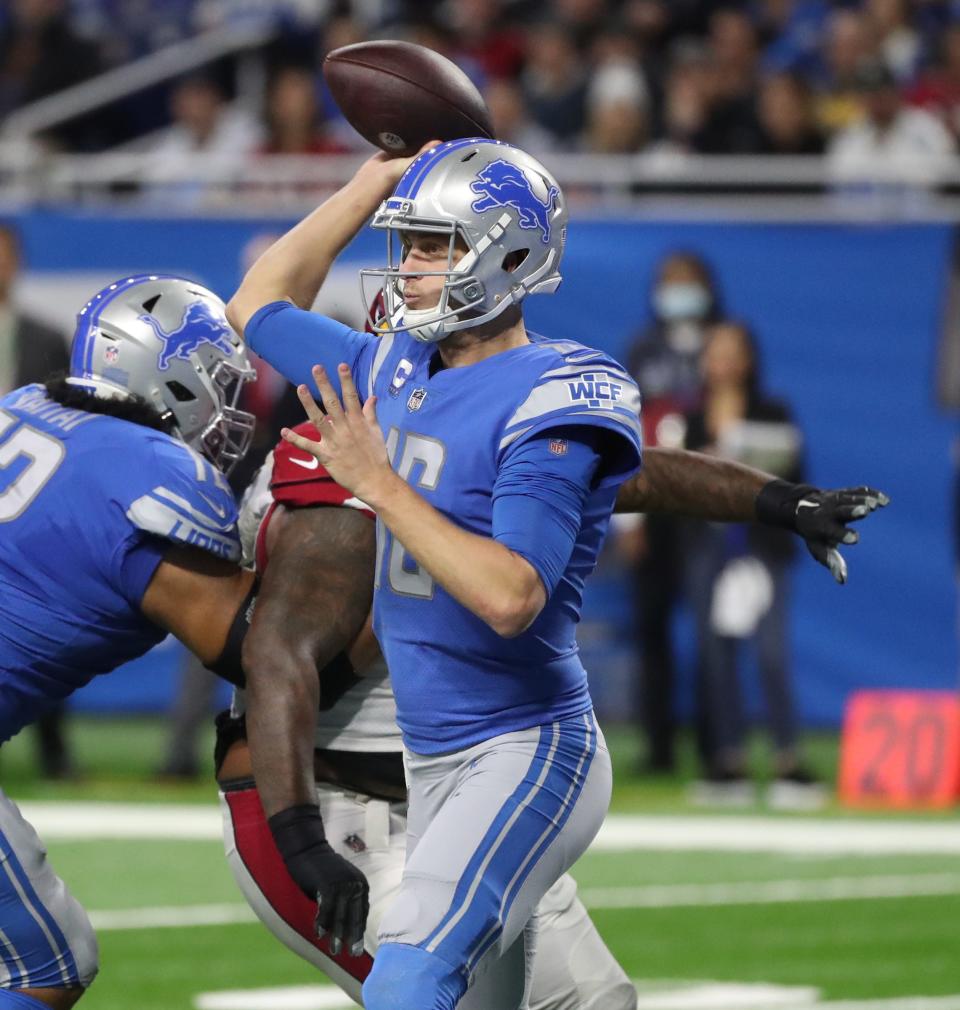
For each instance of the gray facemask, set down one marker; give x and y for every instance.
(681, 301)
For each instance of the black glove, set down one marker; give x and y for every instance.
(820, 517)
(339, 888)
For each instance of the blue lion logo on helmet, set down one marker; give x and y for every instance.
(200, 325)
(502, 184)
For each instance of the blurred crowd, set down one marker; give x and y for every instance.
(860, 81)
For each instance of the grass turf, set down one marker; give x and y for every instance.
(848, 949)
(117, 759)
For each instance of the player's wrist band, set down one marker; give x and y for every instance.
(776, 503)
(297, 829)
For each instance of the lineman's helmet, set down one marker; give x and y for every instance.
(166, 339)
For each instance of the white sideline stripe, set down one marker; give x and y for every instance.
(759, 996)
(673, 996)
(82, 821)
(794, 835)
(171, 916)
(676, 994)
(897, 1003)
(652, 896)
(294, 997)
(769, 892)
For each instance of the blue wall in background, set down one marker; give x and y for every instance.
(848, 319)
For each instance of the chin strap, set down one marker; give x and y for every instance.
(423, 325)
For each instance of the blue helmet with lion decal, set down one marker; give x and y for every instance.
(166, 339)
(505, 209)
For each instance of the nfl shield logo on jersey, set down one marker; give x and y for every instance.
(416, 399)
(558, 446)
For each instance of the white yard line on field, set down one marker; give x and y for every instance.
(666, 995)
(648, 896)
(98, 821)
(897, 1003)
(759, 996)
(795, 836)
(769, 892)
(171, 916)
(791, 835)
(294, 997)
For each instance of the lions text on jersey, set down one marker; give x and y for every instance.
(88, 504)
(450, 433)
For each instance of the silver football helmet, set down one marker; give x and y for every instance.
(166, 339)
(505, 208)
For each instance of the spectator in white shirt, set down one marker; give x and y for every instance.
(892, 143)
(203, 124)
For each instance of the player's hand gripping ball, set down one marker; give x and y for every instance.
(399, 95)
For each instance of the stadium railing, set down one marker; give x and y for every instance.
(163, 65)
(753, 185)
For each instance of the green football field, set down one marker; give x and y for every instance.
(705, 911)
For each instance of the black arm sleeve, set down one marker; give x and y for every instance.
(227, 664)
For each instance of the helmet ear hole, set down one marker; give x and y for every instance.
(514, 259)
(180, 392)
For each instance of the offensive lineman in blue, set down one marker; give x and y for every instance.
(492, 457)
(117, 526)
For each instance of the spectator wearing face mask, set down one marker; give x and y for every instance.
(664, 360)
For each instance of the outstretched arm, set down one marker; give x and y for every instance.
(294, 268)
(696, 485)
(271, 306)
(693, 484)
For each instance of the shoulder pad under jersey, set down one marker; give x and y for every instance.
(189, 502)
(581, 386)
(255, 503)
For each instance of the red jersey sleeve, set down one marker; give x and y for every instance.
(300, 481)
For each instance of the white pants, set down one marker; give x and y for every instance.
(572, 969)
(46, 940)
(491, 831)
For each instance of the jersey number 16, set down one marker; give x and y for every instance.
(405, 576)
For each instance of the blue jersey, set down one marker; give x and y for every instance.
(88, 505)
(448, 435)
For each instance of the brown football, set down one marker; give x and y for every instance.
(399, 95)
